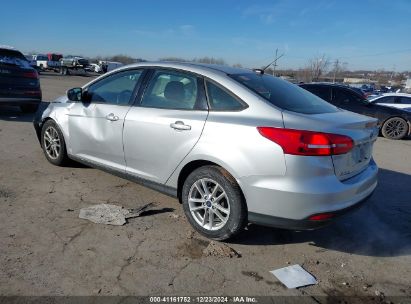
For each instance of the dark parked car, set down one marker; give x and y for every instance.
(394, 123)
(19, 82)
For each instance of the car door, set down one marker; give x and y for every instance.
(389, 101)
(404, 103)
(165, 124)
(96, 124)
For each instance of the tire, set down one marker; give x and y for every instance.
(395, 128)
(229, 213)
(57, 155)
(29, 108)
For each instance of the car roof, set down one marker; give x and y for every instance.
(396, 94)
(201, 68)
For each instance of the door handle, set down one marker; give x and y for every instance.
(179, 125)
(112, 117)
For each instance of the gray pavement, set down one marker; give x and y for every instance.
(45, 249)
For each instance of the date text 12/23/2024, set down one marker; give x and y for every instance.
(203, 299)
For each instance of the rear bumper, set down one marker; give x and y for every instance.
(305, 224)
(11, 101)
(288, 202)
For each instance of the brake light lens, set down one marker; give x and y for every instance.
(321, 217)
(308, 143)
(31, 74)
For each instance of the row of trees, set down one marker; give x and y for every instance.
(317, 68)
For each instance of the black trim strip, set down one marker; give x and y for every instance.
(304, 224)
(170, 191)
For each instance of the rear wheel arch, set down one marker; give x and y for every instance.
(194, 165)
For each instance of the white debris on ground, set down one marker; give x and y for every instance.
(294, 276)
(111, 214)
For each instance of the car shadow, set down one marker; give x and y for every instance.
(382, 227)
(9, 113)
(156, 211)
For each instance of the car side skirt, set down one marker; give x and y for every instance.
(167, 190)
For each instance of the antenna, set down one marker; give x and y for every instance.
(274, 62)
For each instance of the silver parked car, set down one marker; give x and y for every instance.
(234, 145)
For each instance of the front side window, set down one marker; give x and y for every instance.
(115, 89)
(171, 90)
(222, 100)
(283, 94)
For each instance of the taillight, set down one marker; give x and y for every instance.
(309, 143)
(31, 74)
(321, 217)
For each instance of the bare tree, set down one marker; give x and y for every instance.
(210, 60)
(175, 59)
(338, 68)
(122, 58)
(304, 75)
(318, 66)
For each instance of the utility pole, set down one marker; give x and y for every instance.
(274, 62)
(336, 67)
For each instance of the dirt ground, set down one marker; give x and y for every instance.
(45, 249)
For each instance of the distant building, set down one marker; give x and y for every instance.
(358, 80)
(408, 83)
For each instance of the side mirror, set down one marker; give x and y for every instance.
(75, 94)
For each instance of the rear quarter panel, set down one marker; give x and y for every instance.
(232, 141)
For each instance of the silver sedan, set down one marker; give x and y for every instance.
(234, 145)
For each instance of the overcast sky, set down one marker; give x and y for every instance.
(366, 34)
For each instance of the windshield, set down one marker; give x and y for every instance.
(12, 57)
(284, 94)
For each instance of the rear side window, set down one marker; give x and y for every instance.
(222, 100)
(346, 97)
(322, 92)
(388, 99)
(283, 94)
(12, 57)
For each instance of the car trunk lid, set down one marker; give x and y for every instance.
(362, 129)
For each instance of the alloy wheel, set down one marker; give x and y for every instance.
(209, 204)
(52, 143)
(395, 128)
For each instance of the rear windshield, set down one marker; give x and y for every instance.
(12, 57)
(283, 94)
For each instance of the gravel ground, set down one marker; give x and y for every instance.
(45, 249)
